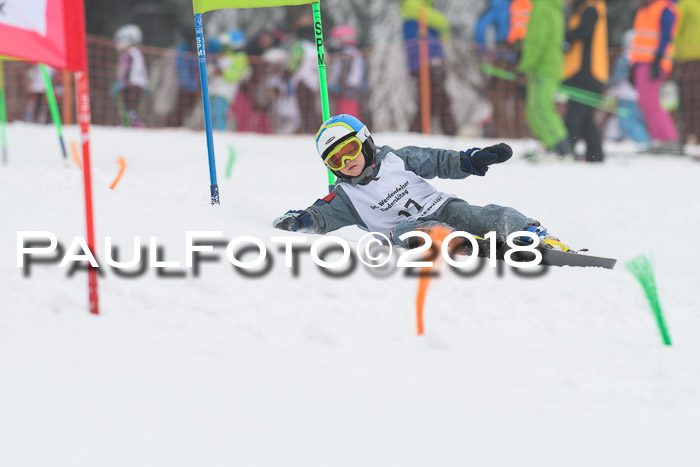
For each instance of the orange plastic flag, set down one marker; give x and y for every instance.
(438, 235)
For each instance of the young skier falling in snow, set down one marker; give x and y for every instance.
(381, 189)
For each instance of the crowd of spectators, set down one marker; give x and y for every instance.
(559, 55)
(268, 83)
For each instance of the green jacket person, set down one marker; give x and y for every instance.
(542, 61)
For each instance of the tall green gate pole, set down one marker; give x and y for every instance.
(53, 107)
(318, 30)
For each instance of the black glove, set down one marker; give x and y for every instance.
(293, 221)
(655, 70)
(476, 162)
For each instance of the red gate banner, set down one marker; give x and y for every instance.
(44, 31)
(53, 32)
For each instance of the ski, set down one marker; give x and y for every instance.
(663, 151)
(550, 257)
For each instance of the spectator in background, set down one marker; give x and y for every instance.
(347, 71)
(37, 109)
(189, 87)
(249, 110)
(263, 41)
(438, 32)
(278, 97)
(496, 17)
(586, 66)
(304, 65)
(520, 11)
(632, 122)
(688, 56)
(651, 53)
(132, 74)
(542, 60)
(227, 71)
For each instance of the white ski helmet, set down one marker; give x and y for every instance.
(129, 34)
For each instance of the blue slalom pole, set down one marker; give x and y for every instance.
(201, 53)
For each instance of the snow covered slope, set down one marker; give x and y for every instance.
(564, 369)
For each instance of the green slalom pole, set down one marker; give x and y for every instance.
(583, 93)
(318, 30)
(582, 96)
(589, 98)
(231, 160)
(53, 107)
(3, 117)
(568, 90)
(642, 269)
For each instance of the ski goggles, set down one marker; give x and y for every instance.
(345, 151)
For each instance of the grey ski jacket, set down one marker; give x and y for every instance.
(336, 210)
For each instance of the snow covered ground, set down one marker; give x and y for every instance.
(565, 369)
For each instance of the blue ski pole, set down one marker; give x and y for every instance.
(201, 53)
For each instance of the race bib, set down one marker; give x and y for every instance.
(398, 195)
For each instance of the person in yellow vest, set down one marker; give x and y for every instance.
(688, 56)
(651, 52)
(586, 66)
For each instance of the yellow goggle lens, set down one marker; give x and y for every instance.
(346, 151)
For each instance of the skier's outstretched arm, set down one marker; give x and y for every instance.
(443, 163)
(325, 215)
